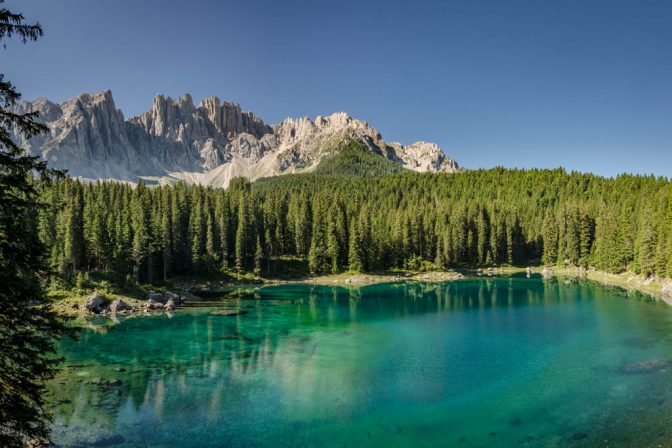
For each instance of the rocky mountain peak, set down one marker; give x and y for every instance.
(208, 144)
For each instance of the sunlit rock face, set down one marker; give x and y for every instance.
(207, 144)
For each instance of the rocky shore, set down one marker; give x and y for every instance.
(100, 305)
(153, 301)
(656, 287)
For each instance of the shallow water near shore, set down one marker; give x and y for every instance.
(501, 361)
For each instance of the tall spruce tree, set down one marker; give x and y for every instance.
(142, 237)
(27, 325)
(242, 236)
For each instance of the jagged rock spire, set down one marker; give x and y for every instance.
(208, 144)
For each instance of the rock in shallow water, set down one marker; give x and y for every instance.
(579, 436)
(640, 343)
(115, 439)
(515, 421)
(228, 313)
(647, 366)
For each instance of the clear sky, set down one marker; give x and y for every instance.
(584, 84)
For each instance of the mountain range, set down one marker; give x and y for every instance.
(207, 144)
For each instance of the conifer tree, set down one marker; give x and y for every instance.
(28, 327)
(197, 232)
(166, 235)
(241, 236)
(140, 222)
(258, 256)
(355, 256)
(318, 255)
(550, 242)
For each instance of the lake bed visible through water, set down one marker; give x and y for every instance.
(500, 361)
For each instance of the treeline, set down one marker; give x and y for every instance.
(338, 223)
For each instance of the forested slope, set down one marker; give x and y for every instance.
(345, 222)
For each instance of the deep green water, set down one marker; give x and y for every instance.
(483, 362)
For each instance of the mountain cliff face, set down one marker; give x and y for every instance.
(208, 144)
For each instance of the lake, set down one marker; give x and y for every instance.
(501, 361)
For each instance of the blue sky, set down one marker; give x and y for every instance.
(584, 84)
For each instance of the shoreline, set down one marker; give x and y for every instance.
(658, 289)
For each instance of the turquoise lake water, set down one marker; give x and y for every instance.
(483, 362)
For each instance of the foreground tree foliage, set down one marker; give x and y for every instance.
(347, 222)
(27, 326)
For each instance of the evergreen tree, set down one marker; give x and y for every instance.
(166, 235)
(258, 256)
(318, 256)
(476, 218)
(28, 327)
(550, 232)
(224, 235)
(241, 237)
(197, 232)
(141, 227)
(74, 239)
(355, 256)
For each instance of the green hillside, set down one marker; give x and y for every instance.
(355, 159)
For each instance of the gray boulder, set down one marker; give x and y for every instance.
(667, 293)
(667, 289)
(547, 272)
(153, 305)
(118, 306)
(171, 296)
(155, 297)
(95, 303)
(170, 305)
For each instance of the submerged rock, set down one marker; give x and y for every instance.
(636, 342)
(116, 439)
(579, 436)
(228, 313)
(394, 429)
(102, 382)
(515, 421)
(236, 336)
(647, 366)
